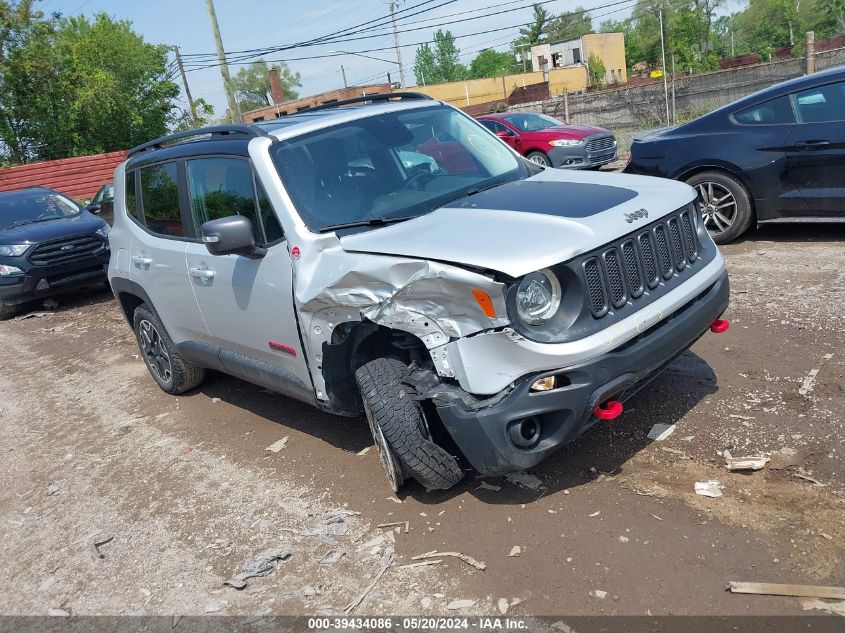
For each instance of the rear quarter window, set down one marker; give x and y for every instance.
(160, 199)
(132, 206)
(772, 112)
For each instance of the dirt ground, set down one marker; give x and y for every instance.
(186, 491)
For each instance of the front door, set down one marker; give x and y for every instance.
(816, 149)
(247, 304)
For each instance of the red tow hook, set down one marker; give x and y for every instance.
(610, 410)
(719, 325)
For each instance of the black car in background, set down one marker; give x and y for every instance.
(775, 156)
(102, 203)
(48, 245)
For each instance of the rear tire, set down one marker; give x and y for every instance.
(173, 373)
(725, 205)
(7, 311)
(397, 418)
(539, 158)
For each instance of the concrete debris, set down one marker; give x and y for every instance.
(516, 550)
(460, 604)
(833, 608)
(469, 560)
(807, 384)
(275, 447)
(308, 591)
(752, 462)
(48, 582)
(799, 591)
(595, 514)
(260, 565)
(524, 480)
(503, 605)
(623, 539)
(333, 524)
(52, 489)
(31, 315)
(215, 606)
(400, 524)
(657, 517)
(710, 488)
(598, 593)
(422, 563)
(364, 451)
(332, 557)
(483, 485)
(387, 563)
(660, 432)
(653, 491)
(812, 480)
(215, 400)
(562, 626)
(784, 458)
(426, 603)
(58, 613)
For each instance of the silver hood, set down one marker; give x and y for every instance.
(530, 224)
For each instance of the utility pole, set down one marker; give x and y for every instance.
(234, 110)
(663, 53)
(343, 72)
(185, 82)
(396, 44)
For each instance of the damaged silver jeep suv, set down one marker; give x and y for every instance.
(390, 256)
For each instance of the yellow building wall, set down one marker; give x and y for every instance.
(473, 91)
(610, 48)
(570, 79)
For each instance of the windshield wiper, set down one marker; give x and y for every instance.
(24, 222)
(367, 222)
(475, 190)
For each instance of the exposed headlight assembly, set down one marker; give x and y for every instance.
(13, 250)
(538, 297)
(103, 231)
(5, 270)
(566, 142)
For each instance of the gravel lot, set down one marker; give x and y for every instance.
(187, 492)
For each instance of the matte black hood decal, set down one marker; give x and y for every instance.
(563, 199)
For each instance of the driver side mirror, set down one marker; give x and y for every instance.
(231, 235)
(93, 208)
(503, 134)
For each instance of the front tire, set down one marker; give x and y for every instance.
(725, 205)
(539, 158)
(7, 311)
(400, 430)
(173, 373)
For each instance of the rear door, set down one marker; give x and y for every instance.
(157, 254)
(816, 149)
(247, 304)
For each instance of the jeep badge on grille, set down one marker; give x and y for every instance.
(636, 215)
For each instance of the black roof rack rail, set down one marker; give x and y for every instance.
(215, 131)
(379, 96)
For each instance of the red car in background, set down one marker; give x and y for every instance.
(552, 143)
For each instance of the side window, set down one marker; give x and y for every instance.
(268, 217)
(221, 187)
(132, 207)
(770, 112)
(821, 104)
(490, 125)
(161, 200)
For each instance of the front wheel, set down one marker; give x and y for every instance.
(400, 430)
(539, 158)
(725, 205)
(7, 311)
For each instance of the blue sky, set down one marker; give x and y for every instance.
(250, 24)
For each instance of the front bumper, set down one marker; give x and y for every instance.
(483, 430)
(581, 156)
(39, 282)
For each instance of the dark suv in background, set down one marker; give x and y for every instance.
(48, 245)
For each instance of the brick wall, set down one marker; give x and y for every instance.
(78, 178)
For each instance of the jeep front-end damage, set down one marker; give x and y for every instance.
(354, 307)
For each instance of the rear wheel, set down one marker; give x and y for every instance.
(173, 373)
(725, 205)
(7, 311)
(400, 430)
(539, 158)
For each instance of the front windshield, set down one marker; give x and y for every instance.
(391, 166)
(34, 205)
(531, 121)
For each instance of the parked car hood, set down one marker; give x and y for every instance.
(579, 131)
(529, 224)
(51, 229)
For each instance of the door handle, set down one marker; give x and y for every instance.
(201, 273)
(141, 261)
(812, 144)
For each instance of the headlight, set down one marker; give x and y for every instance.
(13, 250)
(5, 270)
(103, 231)
(538, 297)
(566, 142)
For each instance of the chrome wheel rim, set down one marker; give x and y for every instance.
(539, 160)
(718, 207)
(155, 354)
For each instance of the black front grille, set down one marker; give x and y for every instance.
(598, 144)
(622, 272)
(69, 249)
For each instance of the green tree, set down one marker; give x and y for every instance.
(535, 32)
(425, 65)
(185, 120)
(570, 25)
(596, 70)
(71, 86)
(252, 85)
(439, 63)
(489, 63)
